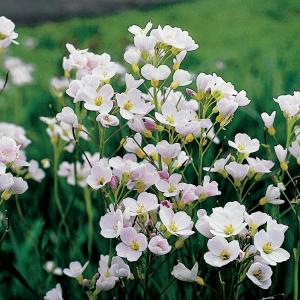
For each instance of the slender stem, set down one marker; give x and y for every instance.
(90, 215)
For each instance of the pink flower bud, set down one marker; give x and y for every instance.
(113, 182)
(149, 124)
(164, 174)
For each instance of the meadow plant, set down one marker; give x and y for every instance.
(150, 145)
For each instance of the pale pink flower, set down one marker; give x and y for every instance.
(244, 144)
(268, 119)
(221, 252)
(176, 223)
(145, 203)
(99, 176)
(133, 244)
(75, 269)
(159, 245)
(111, 224)
(207, 189)
(68, 116)
(169, 187)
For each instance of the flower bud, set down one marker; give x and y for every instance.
(284, 166)
(271, 131)
(179, 243)
(263, 201)
(199, 280)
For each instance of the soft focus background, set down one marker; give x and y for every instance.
(254, 44)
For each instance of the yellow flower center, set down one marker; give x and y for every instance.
(134, 246)
(173, 227)
(258, 274)
(139, 186)
(98, 100)
(217, 95)
(107, 274)
(241, 147)
(228, 229)
(128, 105)
(267, 248)
(172, 188)
(224, 254)
(2, 36)
(170, 119)
(140, 209)
(100, 180)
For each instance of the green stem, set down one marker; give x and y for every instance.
(90, 215)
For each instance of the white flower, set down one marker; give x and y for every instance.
(258, 165)
(244, 144)
(295, 151)
(136, 30)
(174, 37)
(107, 120)
(255, 220)
(241, 99)
(145, 203)
(268, 244)
(272, 196)
(7, 33)
(219, 165)
(111, 224)
(181, 272)
(99, 177)
(99, 100)
(35, 172)
(281, 153)
(119, 268)
(133, 244)
(159, 245)
(181, 78)
(289, 105)
(132, 55)
(9, 150)
(169, 187)
(75, 269)
(144, 43)
(237, 171)
(168, 151)
(17, 187)
(260, 274)
(268, 119)
(154, 74)
(221, 252)
(68, 116)
(202, 225)
(132, 83)
(131, 104)
(207, 189)
(176, 223)
(227, 221)
(54, 294)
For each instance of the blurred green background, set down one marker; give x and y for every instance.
(254, 44)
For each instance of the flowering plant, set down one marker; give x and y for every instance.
(154, 158)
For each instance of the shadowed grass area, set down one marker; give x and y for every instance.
(254, 44)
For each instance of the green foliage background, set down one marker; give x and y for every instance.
(254, 44)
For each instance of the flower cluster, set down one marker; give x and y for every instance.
(14, 167)
(144, 149)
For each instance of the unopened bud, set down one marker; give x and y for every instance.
(271, 131)
(263, 201)
(284, 166)
(179, 243)
(199, 280)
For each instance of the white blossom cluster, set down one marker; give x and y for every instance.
(14, 167)
(166, 130)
